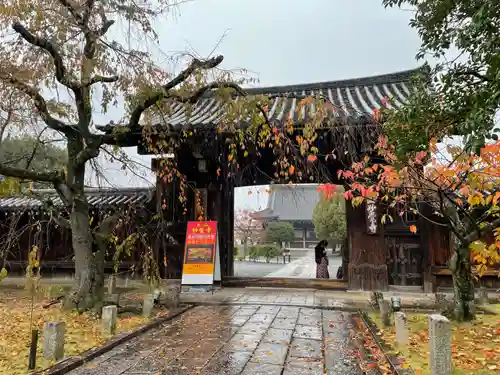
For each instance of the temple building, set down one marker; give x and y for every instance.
(293, 204)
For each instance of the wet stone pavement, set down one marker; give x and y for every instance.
(238, 340)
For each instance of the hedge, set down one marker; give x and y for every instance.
(267, 251)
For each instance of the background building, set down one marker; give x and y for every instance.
(293, 204)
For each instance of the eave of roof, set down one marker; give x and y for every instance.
(266, 213)
(96, 197)
(351, 99)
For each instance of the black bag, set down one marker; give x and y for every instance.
(340, 273)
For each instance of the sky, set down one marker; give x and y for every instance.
(283, 42)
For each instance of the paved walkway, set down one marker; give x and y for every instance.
(303, 298)
(305, 268)
(238, 340)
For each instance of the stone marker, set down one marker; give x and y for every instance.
(112, 284)
(401, 329)
(385, 312)
(109, 319)
(439, 345)
(147, 305)
(53, 340)
(171, 295)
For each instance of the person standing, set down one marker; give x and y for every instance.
(321, 260)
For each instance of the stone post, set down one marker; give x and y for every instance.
(53, 340)
(439, 345)
(385, 312)
(170, 296)
(147, 305)
(109, 319)
(112, 284)
(401, 329)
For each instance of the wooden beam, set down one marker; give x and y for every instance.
(443, 271)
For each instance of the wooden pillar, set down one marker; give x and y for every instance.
(225, 211)
(228, 207)
(175, 223)
(367, 268)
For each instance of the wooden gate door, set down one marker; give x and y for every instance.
(404, 261)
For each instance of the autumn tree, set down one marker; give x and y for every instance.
(459, 97)
(446, 186)
(248, 228)
(65, 64)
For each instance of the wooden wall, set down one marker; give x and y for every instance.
(367, 268)
(19, 233)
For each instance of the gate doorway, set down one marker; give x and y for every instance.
(277, 239)
(404, 261)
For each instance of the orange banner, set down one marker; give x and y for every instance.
(199, 252)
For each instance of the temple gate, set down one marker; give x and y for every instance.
(378, 256)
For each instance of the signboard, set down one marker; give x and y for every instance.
(200, 253)
(371, 217)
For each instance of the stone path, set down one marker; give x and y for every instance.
(238, 340)
(305, 268)
(302, 298)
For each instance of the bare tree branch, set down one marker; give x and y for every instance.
(40, 104)
(72, 8)
(198, 94)
(54, 177)
(51, 49)
(98, 78)
(485, 230)
(474, 74)
(164, 91)
(89, 152)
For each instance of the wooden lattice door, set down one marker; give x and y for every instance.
(404, 261)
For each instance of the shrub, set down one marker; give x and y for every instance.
(279, 231)
(267, 251)
(254, 252)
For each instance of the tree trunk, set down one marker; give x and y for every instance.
(88, 289)
(463, 286)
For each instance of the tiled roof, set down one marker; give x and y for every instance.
(353, 98)
(291, 202)
(96, 197)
